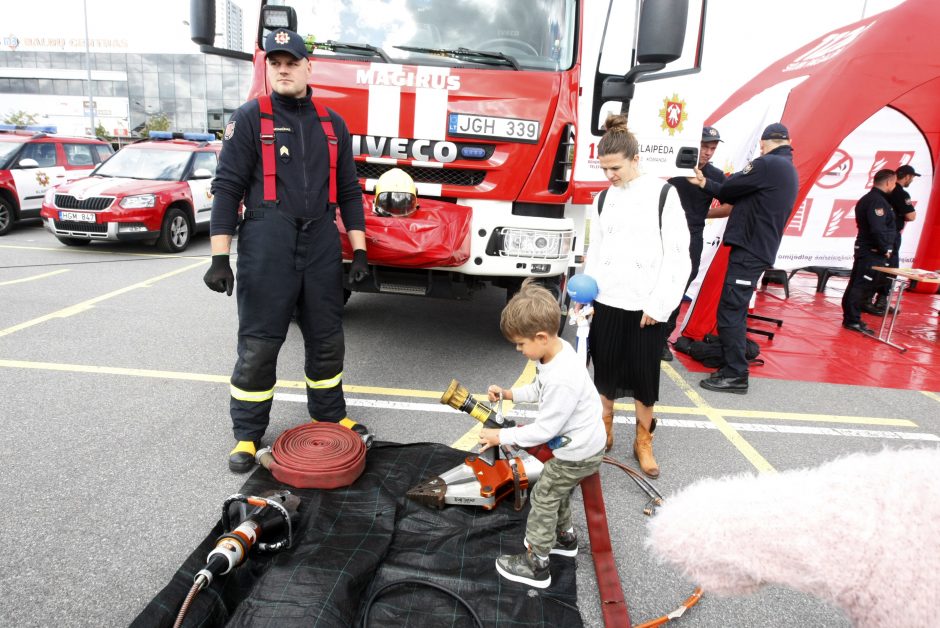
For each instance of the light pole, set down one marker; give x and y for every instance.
(91, 94)
(205, 86)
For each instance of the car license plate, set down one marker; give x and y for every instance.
(77, 216)
(512, 129)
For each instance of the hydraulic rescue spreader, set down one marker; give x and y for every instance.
(483, 479)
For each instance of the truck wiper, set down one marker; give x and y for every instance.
(466, 53)
(341, 46)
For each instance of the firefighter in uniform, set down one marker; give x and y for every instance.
(696, 195)
(762, 195)
(290, 159)
(874, 245)
(903, 212)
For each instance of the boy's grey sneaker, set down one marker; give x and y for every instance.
(527, 568)
(566, 544)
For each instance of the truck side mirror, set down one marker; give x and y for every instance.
(662, 31)
(202, 22)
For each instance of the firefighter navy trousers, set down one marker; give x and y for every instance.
(287, 263)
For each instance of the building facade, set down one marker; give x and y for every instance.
(196, 92)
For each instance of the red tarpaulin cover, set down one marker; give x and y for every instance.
(437, 234)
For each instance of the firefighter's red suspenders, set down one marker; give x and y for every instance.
(268, 161)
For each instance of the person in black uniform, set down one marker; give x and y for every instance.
(696, 194)
(903, 213)
(762, 196)
(874, 245)
(289, 253)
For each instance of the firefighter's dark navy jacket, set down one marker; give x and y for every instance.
(695, 200)
(302, 166)
(901, 202)
(875, 219)
(763, 195)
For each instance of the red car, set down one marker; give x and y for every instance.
(155, 191)
(32, 160)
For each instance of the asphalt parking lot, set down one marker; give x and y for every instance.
(114, 366)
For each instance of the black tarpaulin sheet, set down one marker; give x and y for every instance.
(351, 542)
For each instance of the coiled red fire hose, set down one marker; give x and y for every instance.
(315, 455)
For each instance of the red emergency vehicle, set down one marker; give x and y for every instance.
(494, 109)
(156, 191)
(34, 159)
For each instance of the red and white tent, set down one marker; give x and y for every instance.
(863, 97)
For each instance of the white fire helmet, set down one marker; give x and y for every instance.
(395, 194)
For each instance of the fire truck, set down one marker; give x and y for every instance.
(495, 110)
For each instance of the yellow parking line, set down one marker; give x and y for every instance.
(472, 437)
(86, 305)
(933, 396)
(713, 415)
(24, 279)
(781, 416)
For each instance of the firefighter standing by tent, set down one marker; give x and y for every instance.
(762, 194)
(904, 212)
(282, 156)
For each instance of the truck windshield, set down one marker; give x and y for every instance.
(537, 34)
(146, 163)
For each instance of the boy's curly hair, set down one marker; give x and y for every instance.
(531, 310)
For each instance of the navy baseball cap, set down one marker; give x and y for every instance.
(905, 170)
(775, 131)
(283, 40)
(710, 134)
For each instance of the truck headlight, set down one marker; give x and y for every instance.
(539, 243)
(139, 201)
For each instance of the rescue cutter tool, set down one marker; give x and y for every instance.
(484, 478)
(249, 522)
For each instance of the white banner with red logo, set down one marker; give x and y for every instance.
(822, 231)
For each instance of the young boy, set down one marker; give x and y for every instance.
(570, 409)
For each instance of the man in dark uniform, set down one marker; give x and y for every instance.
(874, 245)
(289, 253)
(903, 213)
(696, 194)
(762, 195)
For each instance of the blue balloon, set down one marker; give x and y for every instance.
(582, 288)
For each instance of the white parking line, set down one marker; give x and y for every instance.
(681, 423)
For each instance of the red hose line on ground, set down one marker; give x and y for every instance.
(318, 455)
(610, 590)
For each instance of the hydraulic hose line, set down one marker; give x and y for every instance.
(315, 455)
(614, 617)
(655, 497)
(424, 583)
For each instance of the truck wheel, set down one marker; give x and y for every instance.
(346, 295)
(176, 231)
(7, 216)
(73, 241)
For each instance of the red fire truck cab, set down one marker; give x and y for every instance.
(494, 109)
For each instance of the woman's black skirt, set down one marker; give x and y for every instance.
(625, 356)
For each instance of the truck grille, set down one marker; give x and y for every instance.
(67, 201)
(84, 227)
(445, 176)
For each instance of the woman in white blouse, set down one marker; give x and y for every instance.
(641, 264)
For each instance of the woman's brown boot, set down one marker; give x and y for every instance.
(643, 449)
(609, 426)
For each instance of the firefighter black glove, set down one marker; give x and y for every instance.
(219, 277)
(359, 269)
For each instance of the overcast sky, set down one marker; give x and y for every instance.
(742, 36)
